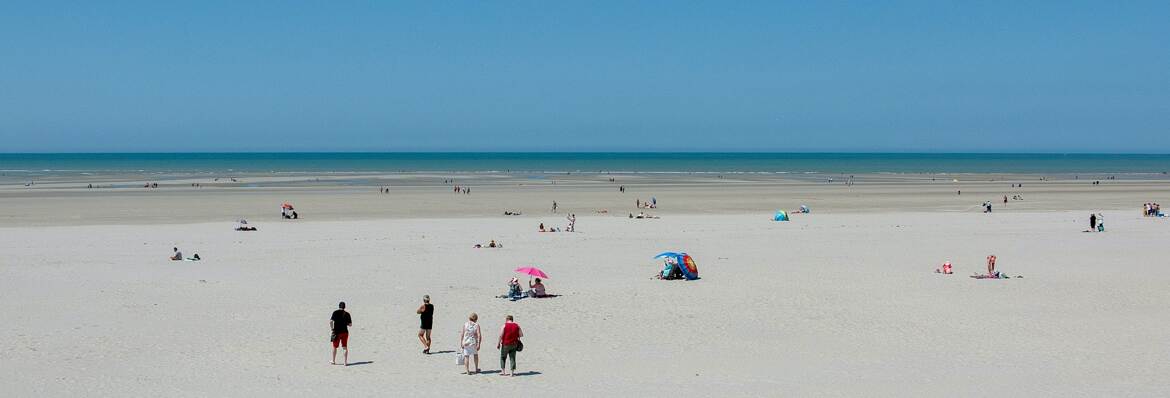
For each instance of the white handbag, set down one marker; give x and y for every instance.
(460, 358)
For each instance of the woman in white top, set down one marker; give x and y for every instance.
(471, 338)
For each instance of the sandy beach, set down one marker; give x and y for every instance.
(839, 302)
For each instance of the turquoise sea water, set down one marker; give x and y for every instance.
(853, 163)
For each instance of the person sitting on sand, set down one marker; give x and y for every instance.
(178, 256)
(542, 227)
(670, 270)
(991, 267)
(196, 257)
(946, 269)
(493, 244)
(514, 288)
(537, 289)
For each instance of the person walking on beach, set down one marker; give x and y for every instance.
(340, 323)
(1092, 221)
(554, 208)
(471, 338)
(426, 315)
(509, 344)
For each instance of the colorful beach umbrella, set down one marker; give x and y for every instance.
(686, 264)
(532, 271)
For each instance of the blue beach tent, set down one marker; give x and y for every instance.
(780, 216)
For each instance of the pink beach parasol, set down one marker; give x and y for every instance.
(532, 271)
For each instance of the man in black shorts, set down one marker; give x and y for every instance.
(426, 314)
(339, 323)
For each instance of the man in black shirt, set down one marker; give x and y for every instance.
(339, 323)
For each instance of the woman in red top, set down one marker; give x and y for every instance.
(509, 343)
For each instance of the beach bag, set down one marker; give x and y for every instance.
(519, 346)
(460, 358)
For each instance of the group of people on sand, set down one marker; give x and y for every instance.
(462, 190)
(572, 227)
(535, 290)
(647, 204)
(642, 215)
(1152, 210)
(992, 273)
(671, 270)
(470, 337)
(178, 256)
(489, 245)
(1096, 222)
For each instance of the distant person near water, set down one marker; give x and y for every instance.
(509, 344)
(426, 314)
(339, 323)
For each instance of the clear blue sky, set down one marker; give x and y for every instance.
(1011, 76)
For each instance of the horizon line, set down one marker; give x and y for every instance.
(2, 153)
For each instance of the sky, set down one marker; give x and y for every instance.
(894, 76)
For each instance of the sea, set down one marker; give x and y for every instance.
(19, 165)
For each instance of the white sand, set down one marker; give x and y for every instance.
(841, 302)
